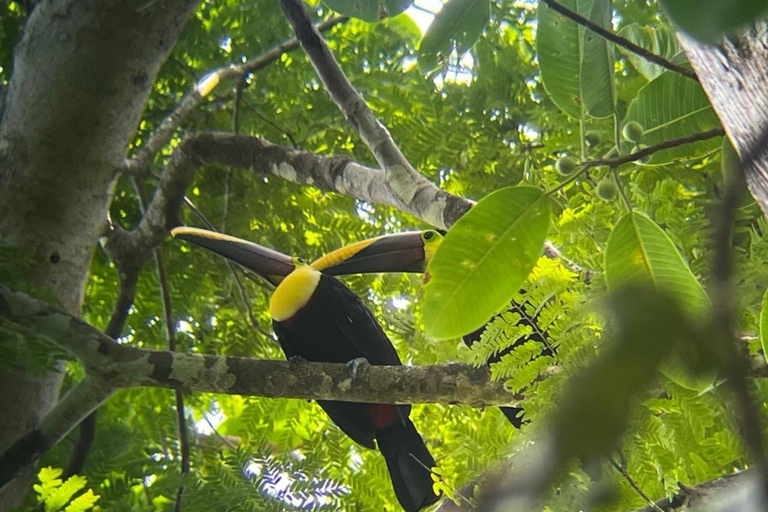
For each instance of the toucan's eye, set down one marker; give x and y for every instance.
(429, 235)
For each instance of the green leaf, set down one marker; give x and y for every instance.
(62, 494)
(647, 325)
(598, 90)
(49, 481)
(709, 19)
(764, 324)
(576, 64)
(638, 250)
(484, 259)
(659, 39)
(84, 502)
(368, 10)
(672, 107)
(459, 23)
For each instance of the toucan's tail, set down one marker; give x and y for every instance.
(407, 460)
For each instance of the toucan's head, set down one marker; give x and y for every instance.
(269, 264)
(401, 252)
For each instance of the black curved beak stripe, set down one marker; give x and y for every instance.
(401, 252)
(269, 264)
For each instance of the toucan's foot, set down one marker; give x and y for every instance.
(354, 365)
(294, 360)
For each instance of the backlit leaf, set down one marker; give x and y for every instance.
(672, 107)
(484, 260)
(458, 24)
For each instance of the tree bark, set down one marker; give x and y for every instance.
(83, 70)
(733, 75)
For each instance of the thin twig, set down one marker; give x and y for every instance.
(620, 41)
(223, 439)
(273, 124)
(650, 150)
(246, 303)
(228, 171)
(128, 278)
(170, 332)
(623, 470)
(162, 135)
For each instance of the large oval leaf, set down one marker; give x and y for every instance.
(369, 10)
(484, 259)
(598, 89)
(672, 107)
(659, 40)
(459, 22)
(709, 19)
(638, 250)
(576, 64)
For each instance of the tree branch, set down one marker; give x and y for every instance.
(110, 365)
(162, 135)
(124, 366)
(650, 150)
(620, 41)
(327, 173)
(718, 491)
(733, 76)
(68, 412)
(406, 183)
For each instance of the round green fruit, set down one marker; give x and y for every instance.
(606, 189)
(633, 132)
(592, 139)
(645, 159)
(565, 165)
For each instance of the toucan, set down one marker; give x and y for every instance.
(411, 252)
(318, 318)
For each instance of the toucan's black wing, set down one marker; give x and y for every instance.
(357, 324)
(361, 329)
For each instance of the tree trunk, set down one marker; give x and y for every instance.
(733, 75)
(82, 73)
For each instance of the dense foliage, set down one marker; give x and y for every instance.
(499, 115)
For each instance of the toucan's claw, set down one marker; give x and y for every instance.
(356, 364)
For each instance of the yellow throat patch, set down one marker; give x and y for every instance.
(293, 293)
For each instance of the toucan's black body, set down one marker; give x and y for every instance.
(335, 326)
(318, 318)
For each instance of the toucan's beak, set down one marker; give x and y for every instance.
(401, 252)
(269, 264)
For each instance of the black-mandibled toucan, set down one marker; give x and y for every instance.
(411, 252)
(319, 319)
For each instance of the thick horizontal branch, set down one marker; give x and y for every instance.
(125, 366)
(110, 366)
